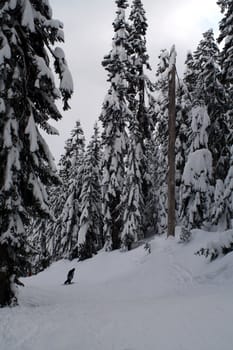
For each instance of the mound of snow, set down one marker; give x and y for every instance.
(167, 300)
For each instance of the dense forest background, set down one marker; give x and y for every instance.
(111, 193)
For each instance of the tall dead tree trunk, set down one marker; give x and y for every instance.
(171, 143)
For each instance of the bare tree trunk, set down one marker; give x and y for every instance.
(171, 145)
(7, 295)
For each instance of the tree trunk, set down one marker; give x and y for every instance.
(171, 148)
(7, 295)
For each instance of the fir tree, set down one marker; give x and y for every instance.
(210, 90)
(139, 84)
(196, 193)
(226, 36)
(58, 195)
(223, 206)
(27, 100)
(151, 203)
(37, 237)
(140, 124)
(114, 115)
(133, 200)
(67, 224)
(226, 54)
(190, 75)
(183, 130)
(90, 232)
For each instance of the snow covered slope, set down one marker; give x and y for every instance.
(167, 300)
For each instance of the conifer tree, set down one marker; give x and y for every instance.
(39, 257)
(139, 84)
(196, 193)
(51, 228)
(190, 75)
(90, 231)
(140, 125)
(133, 200)
(226, 36)
(67, 224)
(183, 130)
(114, 115)
(27, 101)
(210, 90)
(223, 205)
(151, 204)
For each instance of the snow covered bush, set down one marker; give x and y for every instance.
(221, 247)
(223, 205)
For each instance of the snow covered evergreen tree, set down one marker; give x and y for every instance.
(58, 195)
(223, 206)
(190, 75)
(27, 101)
(211, 91)
(114, 115)
(151, 202)
(226, 37)
(183, 130)
(133, 199)
(136, 188)
(196, 191)
(67, 224)
(90, 231)
(139, 85)
(39, 257)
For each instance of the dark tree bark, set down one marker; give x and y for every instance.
(171, 150)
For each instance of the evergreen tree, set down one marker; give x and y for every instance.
(196, 191)
(151, 202)
(139, 84)
(27, 100)
(90, 232)
(58, 195)
(67, 224)
(140, 125)
(190, 75)
(223, 206)
(133, 200)
(39, 257)
(114, 115)
(226, 36)
(210, 90)
(183, 130)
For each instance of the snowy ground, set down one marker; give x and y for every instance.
(166, 300)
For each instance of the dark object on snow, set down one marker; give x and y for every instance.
(18, 282)
(147, 247)
(6, 295)
(70, 276)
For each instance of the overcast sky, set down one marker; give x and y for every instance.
(88, 34)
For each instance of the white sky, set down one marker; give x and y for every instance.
(88, 34)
